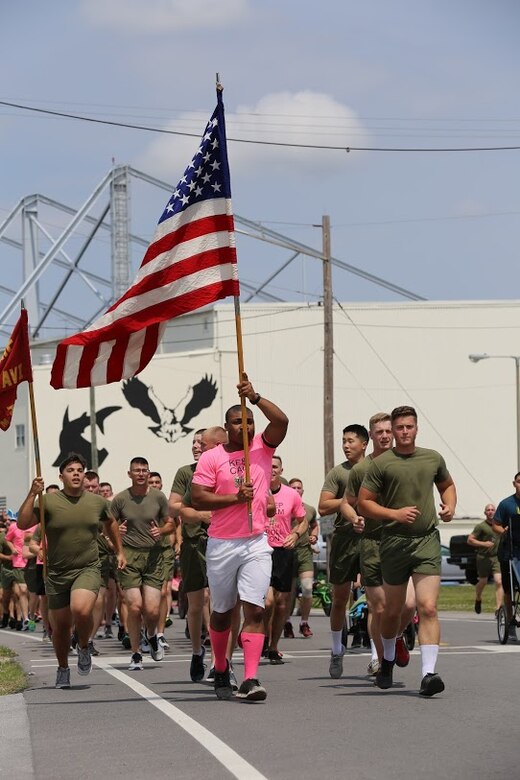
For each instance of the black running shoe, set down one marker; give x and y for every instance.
(431, 684)
(197, 666)
(275, 657)
(251, 690)
(222, 684)
(478, 606)
(5, 619)
(121, 633)
(384, 676)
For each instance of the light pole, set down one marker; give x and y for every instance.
(516, 358)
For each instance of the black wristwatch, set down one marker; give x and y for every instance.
(256, 399)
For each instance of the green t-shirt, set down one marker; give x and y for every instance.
(483, 532)
(310, 516)
(182, 479)
(336, 483)
(192, 530)
(5, 550)
(72, 529)
(355, 480)
(139, 512)
(407, 480)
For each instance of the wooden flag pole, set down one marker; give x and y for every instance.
(38, 473)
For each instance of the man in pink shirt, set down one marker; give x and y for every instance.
(238, 559)
(15, 538)
(283, 532)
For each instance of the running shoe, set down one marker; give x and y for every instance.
(45, 637)
(19, 625)
(431, 684)
(145, 643)
(197, 666)
(92, 647)
(12, 622)
(108, 632)
(162, 641)
(168, 622)
(373, 667)
(84, 660)
(25, 625)
(136, 663)
(251, 690)
(62, 678)
(125, 641)
(233, 678)
(5, 619)
(478, 606)
(222, 684)
(156, 649)
(305, 630)
(275, 658)
(384, 676)
(402, 654)
(511, 633)
(121, 633)
(336, 664)
(211, 676)
(288, 631)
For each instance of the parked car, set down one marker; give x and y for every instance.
(463, 556)
(450, 572)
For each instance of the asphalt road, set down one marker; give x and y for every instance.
(158, 724)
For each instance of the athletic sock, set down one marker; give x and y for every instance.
(219, 640)
(337, 645)
(252, 645)
(374, 656)
(429, 655)
(389, 648)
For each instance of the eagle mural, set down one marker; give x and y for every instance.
(71, 439)
(170, 424)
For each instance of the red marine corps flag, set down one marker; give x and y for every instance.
(15, 367)
(191, 262)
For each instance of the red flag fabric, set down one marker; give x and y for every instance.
(15, 367)
(191, 262)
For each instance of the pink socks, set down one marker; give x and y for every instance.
(252, 645)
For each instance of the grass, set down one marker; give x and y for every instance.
(461, 598)
(12, 677)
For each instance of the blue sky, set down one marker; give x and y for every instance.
(401, 74)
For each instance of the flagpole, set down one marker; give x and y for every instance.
(241, 373)
(37, 459)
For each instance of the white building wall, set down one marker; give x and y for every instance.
(385, 355)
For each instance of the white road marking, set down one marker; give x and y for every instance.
(229, 759)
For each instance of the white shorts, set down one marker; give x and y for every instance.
(238, 567)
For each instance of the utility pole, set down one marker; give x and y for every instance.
(328, 351)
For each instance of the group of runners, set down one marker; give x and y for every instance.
(245, 537)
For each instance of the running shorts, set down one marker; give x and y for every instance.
(370, 560)
(343, 558)
(59, 586)
(402, 556)
(282, 571)
(144, 566)
(238, 568)
(193, 564)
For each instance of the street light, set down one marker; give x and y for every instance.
(516, 358)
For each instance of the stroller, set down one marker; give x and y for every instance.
(503, 624)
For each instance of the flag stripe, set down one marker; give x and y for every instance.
(186, 233)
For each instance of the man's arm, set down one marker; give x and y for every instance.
(27, 517)
(174, 504)
(348, 502)
(368, 506)
(448, 494)
(203, 498)
(190, 515)
(276, 430)
(112, 531)
(474, 542)
(328, 503)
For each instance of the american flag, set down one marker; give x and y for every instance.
(191, 262)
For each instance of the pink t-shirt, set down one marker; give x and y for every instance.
(16, 536)
(224, 472)
(288, 505)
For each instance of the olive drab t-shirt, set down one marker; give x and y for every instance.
(5, 550)
(310, 515)
(407, 480)
(182, 486)
(72, 529)
(139, 512)
(355, 480)
(336, 482)
(483, 532)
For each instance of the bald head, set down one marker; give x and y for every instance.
(213, 436)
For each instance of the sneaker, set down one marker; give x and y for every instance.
(92, 647)
(12, 623)
(108, 632)
(126, 642)
(45, 637)
(233, 678)
(62, 677)
(251, 690)
(162, 641)
(275, 657)
(305, 630)
(384, 676)
(373, 667)
(431, 684)
(168, 622)
(511, 632)
(19, 625)
(32, 625)
(25, 625)
(145, 643)
(84, 660)
(336, 664)
(5, 619)
(156, 649)
(222, 684)
(288, 631)
(136, 663)
(478, 606)
(402, 654)
(207, 641)
(211, 676)
(121, 633)
(197, 666)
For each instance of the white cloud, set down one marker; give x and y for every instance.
(163, 16)
(289, 118)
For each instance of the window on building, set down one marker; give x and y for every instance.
(20, 436)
